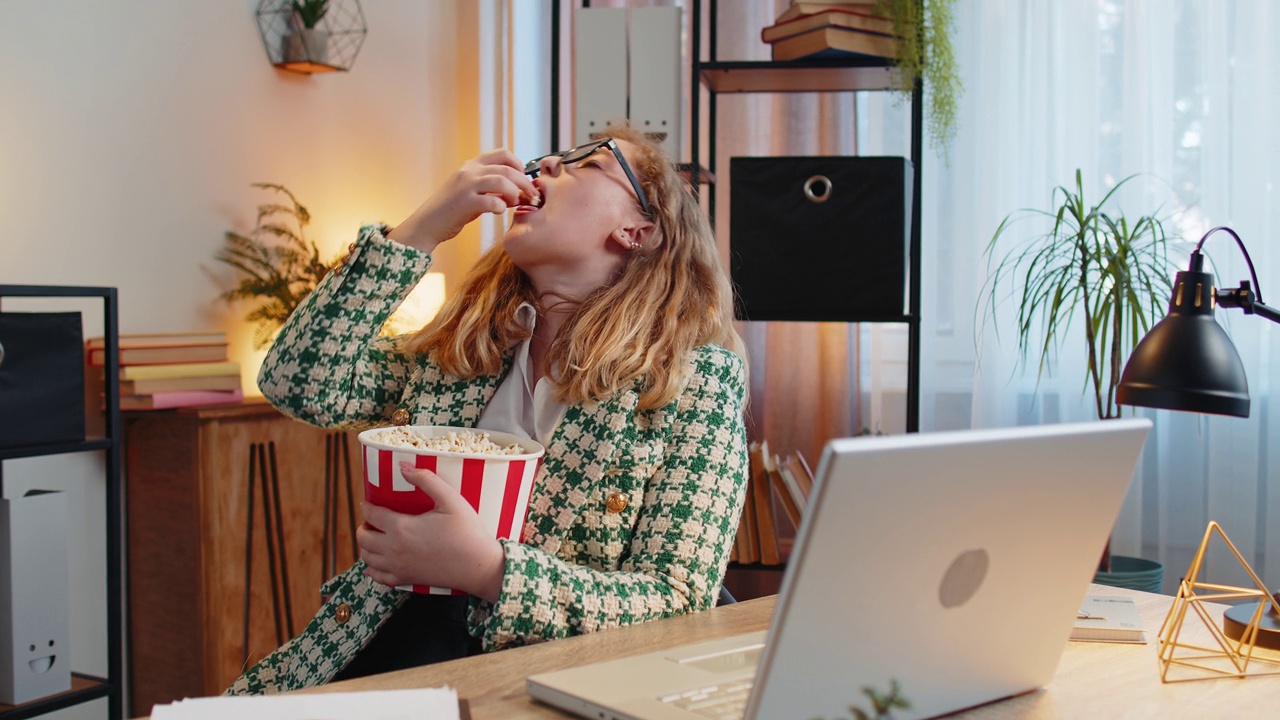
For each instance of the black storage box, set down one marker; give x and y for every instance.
(41, 378)
(820, 239)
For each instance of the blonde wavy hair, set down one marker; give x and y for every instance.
(671, 296)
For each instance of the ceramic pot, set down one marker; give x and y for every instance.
(306, 45)
(1132, 573)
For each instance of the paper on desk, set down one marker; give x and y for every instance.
(423, 704)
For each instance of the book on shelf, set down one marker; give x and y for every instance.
(803, 475)
(786, 487)
(1104, 618)
(166, 400)
(137, 340)
(759, 487)
(827, 18)
(748, 542)
(147, 386)
(835, 42)
(800, 8)
(161, 355)
(174, 370)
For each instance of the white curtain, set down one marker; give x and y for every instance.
(1184, 92)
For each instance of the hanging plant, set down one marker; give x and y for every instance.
(925, 28)
(311, 36)
(280, 266)
(310, 12)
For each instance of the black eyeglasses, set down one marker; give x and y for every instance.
(582, 152)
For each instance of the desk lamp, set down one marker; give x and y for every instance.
(1187, 362)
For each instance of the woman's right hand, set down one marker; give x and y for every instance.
(490, 183)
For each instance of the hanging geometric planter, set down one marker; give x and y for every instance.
(311, 36)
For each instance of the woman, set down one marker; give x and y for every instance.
(602, 327)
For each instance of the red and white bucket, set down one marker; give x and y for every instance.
(497, 486)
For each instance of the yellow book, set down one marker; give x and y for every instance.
(148, 386)
(147, 372)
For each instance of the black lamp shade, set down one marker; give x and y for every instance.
(1187, 362)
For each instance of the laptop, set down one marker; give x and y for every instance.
(951, 563)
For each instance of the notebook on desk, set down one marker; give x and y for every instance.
(953, 564)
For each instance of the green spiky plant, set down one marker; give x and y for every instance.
(310, 12)
(280, 266)
(925, 28)
(1098, 266)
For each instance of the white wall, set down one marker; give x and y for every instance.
(131, 130)
(129, 134)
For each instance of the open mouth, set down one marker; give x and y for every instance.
(41, 665)
(531, 204)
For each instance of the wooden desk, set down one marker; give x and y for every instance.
(1093, 679)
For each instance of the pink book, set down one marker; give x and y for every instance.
(162, 400)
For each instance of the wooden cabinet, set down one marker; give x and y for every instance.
(190, 544)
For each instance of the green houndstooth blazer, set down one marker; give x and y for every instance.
(579, 567)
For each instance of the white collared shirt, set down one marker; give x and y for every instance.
(531, 412)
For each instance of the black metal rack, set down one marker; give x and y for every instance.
(842, 75)
(860, 74)
(85, 688)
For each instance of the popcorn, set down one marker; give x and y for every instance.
(463, 441)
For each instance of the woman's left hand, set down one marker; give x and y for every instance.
(448, 546)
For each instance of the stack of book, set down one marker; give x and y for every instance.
(169, 370)
(1105, 618)
(777, 493)
(818, 30)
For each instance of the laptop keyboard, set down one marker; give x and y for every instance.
(721, 702)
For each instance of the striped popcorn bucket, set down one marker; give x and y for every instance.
(497, 486)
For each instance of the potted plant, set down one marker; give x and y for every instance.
(1102, 270)
(925, 28)
(280, 266)
(305, 42)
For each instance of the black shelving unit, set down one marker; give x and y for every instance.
(85, 688)
(864, 74)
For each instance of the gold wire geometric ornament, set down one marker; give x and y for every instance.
(1231, 658)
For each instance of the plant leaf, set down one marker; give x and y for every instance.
(1100, 267)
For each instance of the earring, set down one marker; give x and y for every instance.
(634, 245)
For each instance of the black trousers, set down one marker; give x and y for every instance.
(426, 629)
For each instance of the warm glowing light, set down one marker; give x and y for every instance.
(417, 310)
(250, 362)
(420, 307)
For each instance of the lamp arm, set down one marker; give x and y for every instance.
(1252, 274)
(1244, 298)
(1267, 312)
